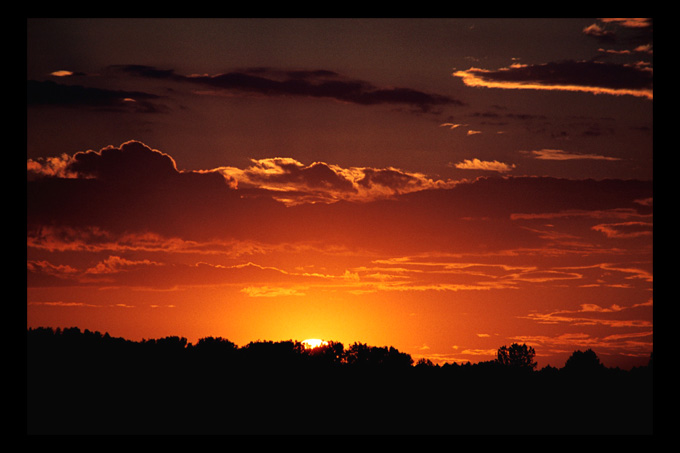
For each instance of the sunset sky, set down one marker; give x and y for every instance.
(443, 186)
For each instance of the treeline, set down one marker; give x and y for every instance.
(88, 382)
(95, 346)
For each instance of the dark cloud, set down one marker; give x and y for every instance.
(581, 73)
(146, 71)
(49, 93)
(131, 161)
(311, 83)
(128, 188)
(288, 172)
(388, 177)
(133, 189)
(625, 31)
(526, 116)
(503, 196)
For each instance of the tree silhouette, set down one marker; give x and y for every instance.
(86, 382)
(424, 363)
(517, 356)
(211, 345)
(583, 362)
(363, 355)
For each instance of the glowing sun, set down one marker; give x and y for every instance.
(312, 343)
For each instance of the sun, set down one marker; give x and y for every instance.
(312, 343)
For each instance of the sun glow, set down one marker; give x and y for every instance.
(312, 343)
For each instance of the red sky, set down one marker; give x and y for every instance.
(443, 186)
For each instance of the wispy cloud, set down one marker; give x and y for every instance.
(63, 304)
(625, 229)
(268, 291)
(452, 125)
(632, 344)
(114, 264)
(593, 314)
(630, 22)
(45, 267)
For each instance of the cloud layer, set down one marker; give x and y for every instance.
(281, 229)
(145, 187)
(133, 199)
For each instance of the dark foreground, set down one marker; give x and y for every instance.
(107, 388)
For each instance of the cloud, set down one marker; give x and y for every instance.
(289, 174)
(293, 182)
(631, 344)
(643, 49)
(134, 221)
(589, 314)
(597, 31)
(128, 198)
(116, 271)
(301, 83)
(583, 76)
(115, 264)
(452, 125)
(625, 230)
(583, 320)
(47, 268)
(125, 189)
(501, 271)
(544, 276)
(630, 37)
(558, 154)
(597, 308)
(130, 162)
(63, 73)
(630, 22)
(49, 93)
(267, 291)
(50, 166)
(476, 164)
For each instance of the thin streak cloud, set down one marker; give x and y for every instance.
(558, 154)
(580, 76)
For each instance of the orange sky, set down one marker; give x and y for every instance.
(264, 198)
